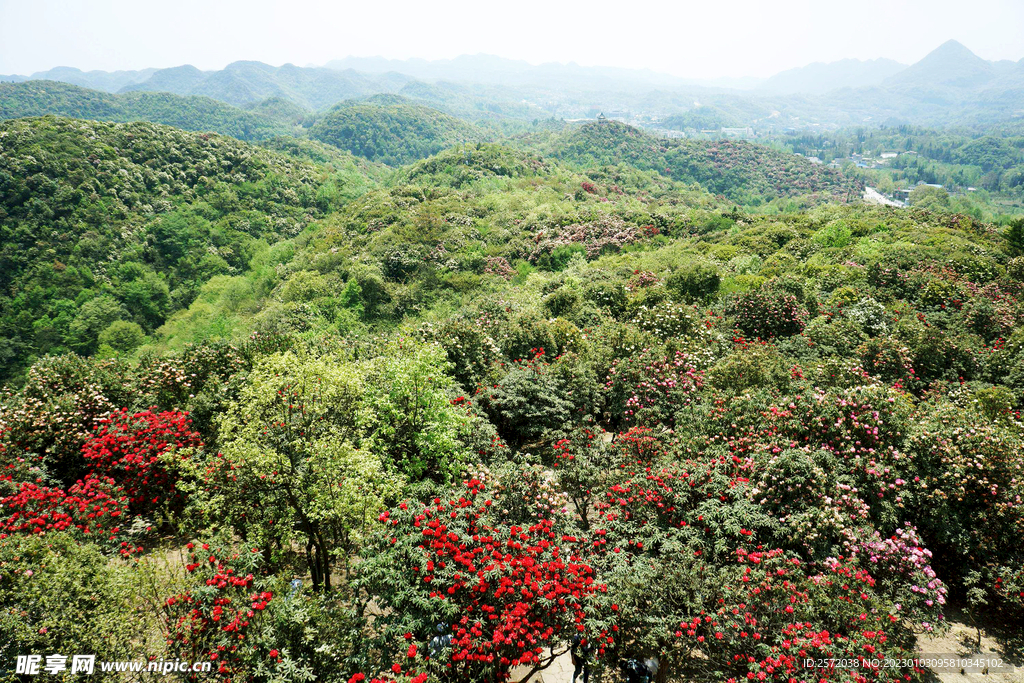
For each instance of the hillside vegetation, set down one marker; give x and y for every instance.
(38, 98)
(314, 418)
(743, 172)
(107, 222)
(391, 129)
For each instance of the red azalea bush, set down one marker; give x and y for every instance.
(768, 313)
(508, 593)
(582, 460)
(94, 505)
(772, 614)
(218, 616)
(128, 448)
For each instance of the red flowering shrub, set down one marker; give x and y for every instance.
(128, 448)
(508, 593)
(658, 540)
(767, 313)
(771, 615)
(215, 618)
(582, 460)
(890, 361)
(637, 447)
(94, 506)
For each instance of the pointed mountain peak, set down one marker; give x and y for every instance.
(952, 49)
(950, 64)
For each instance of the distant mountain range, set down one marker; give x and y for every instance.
(950, 85)
(820, 78)
(191, 112)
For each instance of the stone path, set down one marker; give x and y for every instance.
(560, 671)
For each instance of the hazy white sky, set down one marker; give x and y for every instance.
(705, 39)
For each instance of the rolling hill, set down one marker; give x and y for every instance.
(743, 172)
(391, 129)
(247, 83)
(39, 98)
(103, 222)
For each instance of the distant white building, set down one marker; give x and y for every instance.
(738, 132)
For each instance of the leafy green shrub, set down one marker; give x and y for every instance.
(471, 350)
(749, 368)
(834, 235)
(412, 416)
(1015, 268)
(60, 596)
(697, 281)
(562, 301)
(123, 336)
(995, 402)
(523, 335)
(526, 402)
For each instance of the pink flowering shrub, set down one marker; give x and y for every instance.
(903, 568)
(602, 235)
(650, 387)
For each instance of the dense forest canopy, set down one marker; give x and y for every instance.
(391, 129)
(374, 379)
(109, 222)
(38, 98)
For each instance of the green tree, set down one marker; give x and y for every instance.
(1015, 237)
(123, 336)
(292, 467)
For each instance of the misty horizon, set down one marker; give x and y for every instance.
(755, 41)
(369, 63)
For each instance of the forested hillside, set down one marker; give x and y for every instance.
(391, 129)
(38, 98)
(108, 224)
(309, 416)
(743, 172)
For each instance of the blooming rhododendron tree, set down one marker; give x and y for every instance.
(507, 593)
(94, 506)
(128, 448)
(770, 616)
(222, 606)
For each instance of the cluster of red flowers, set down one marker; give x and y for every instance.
(128, 449)
(214, 625)
(766, 628)
(124, 455)
(518, 588)
(93, 505)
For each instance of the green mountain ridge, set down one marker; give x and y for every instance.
(741, 171)
(39, 98)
